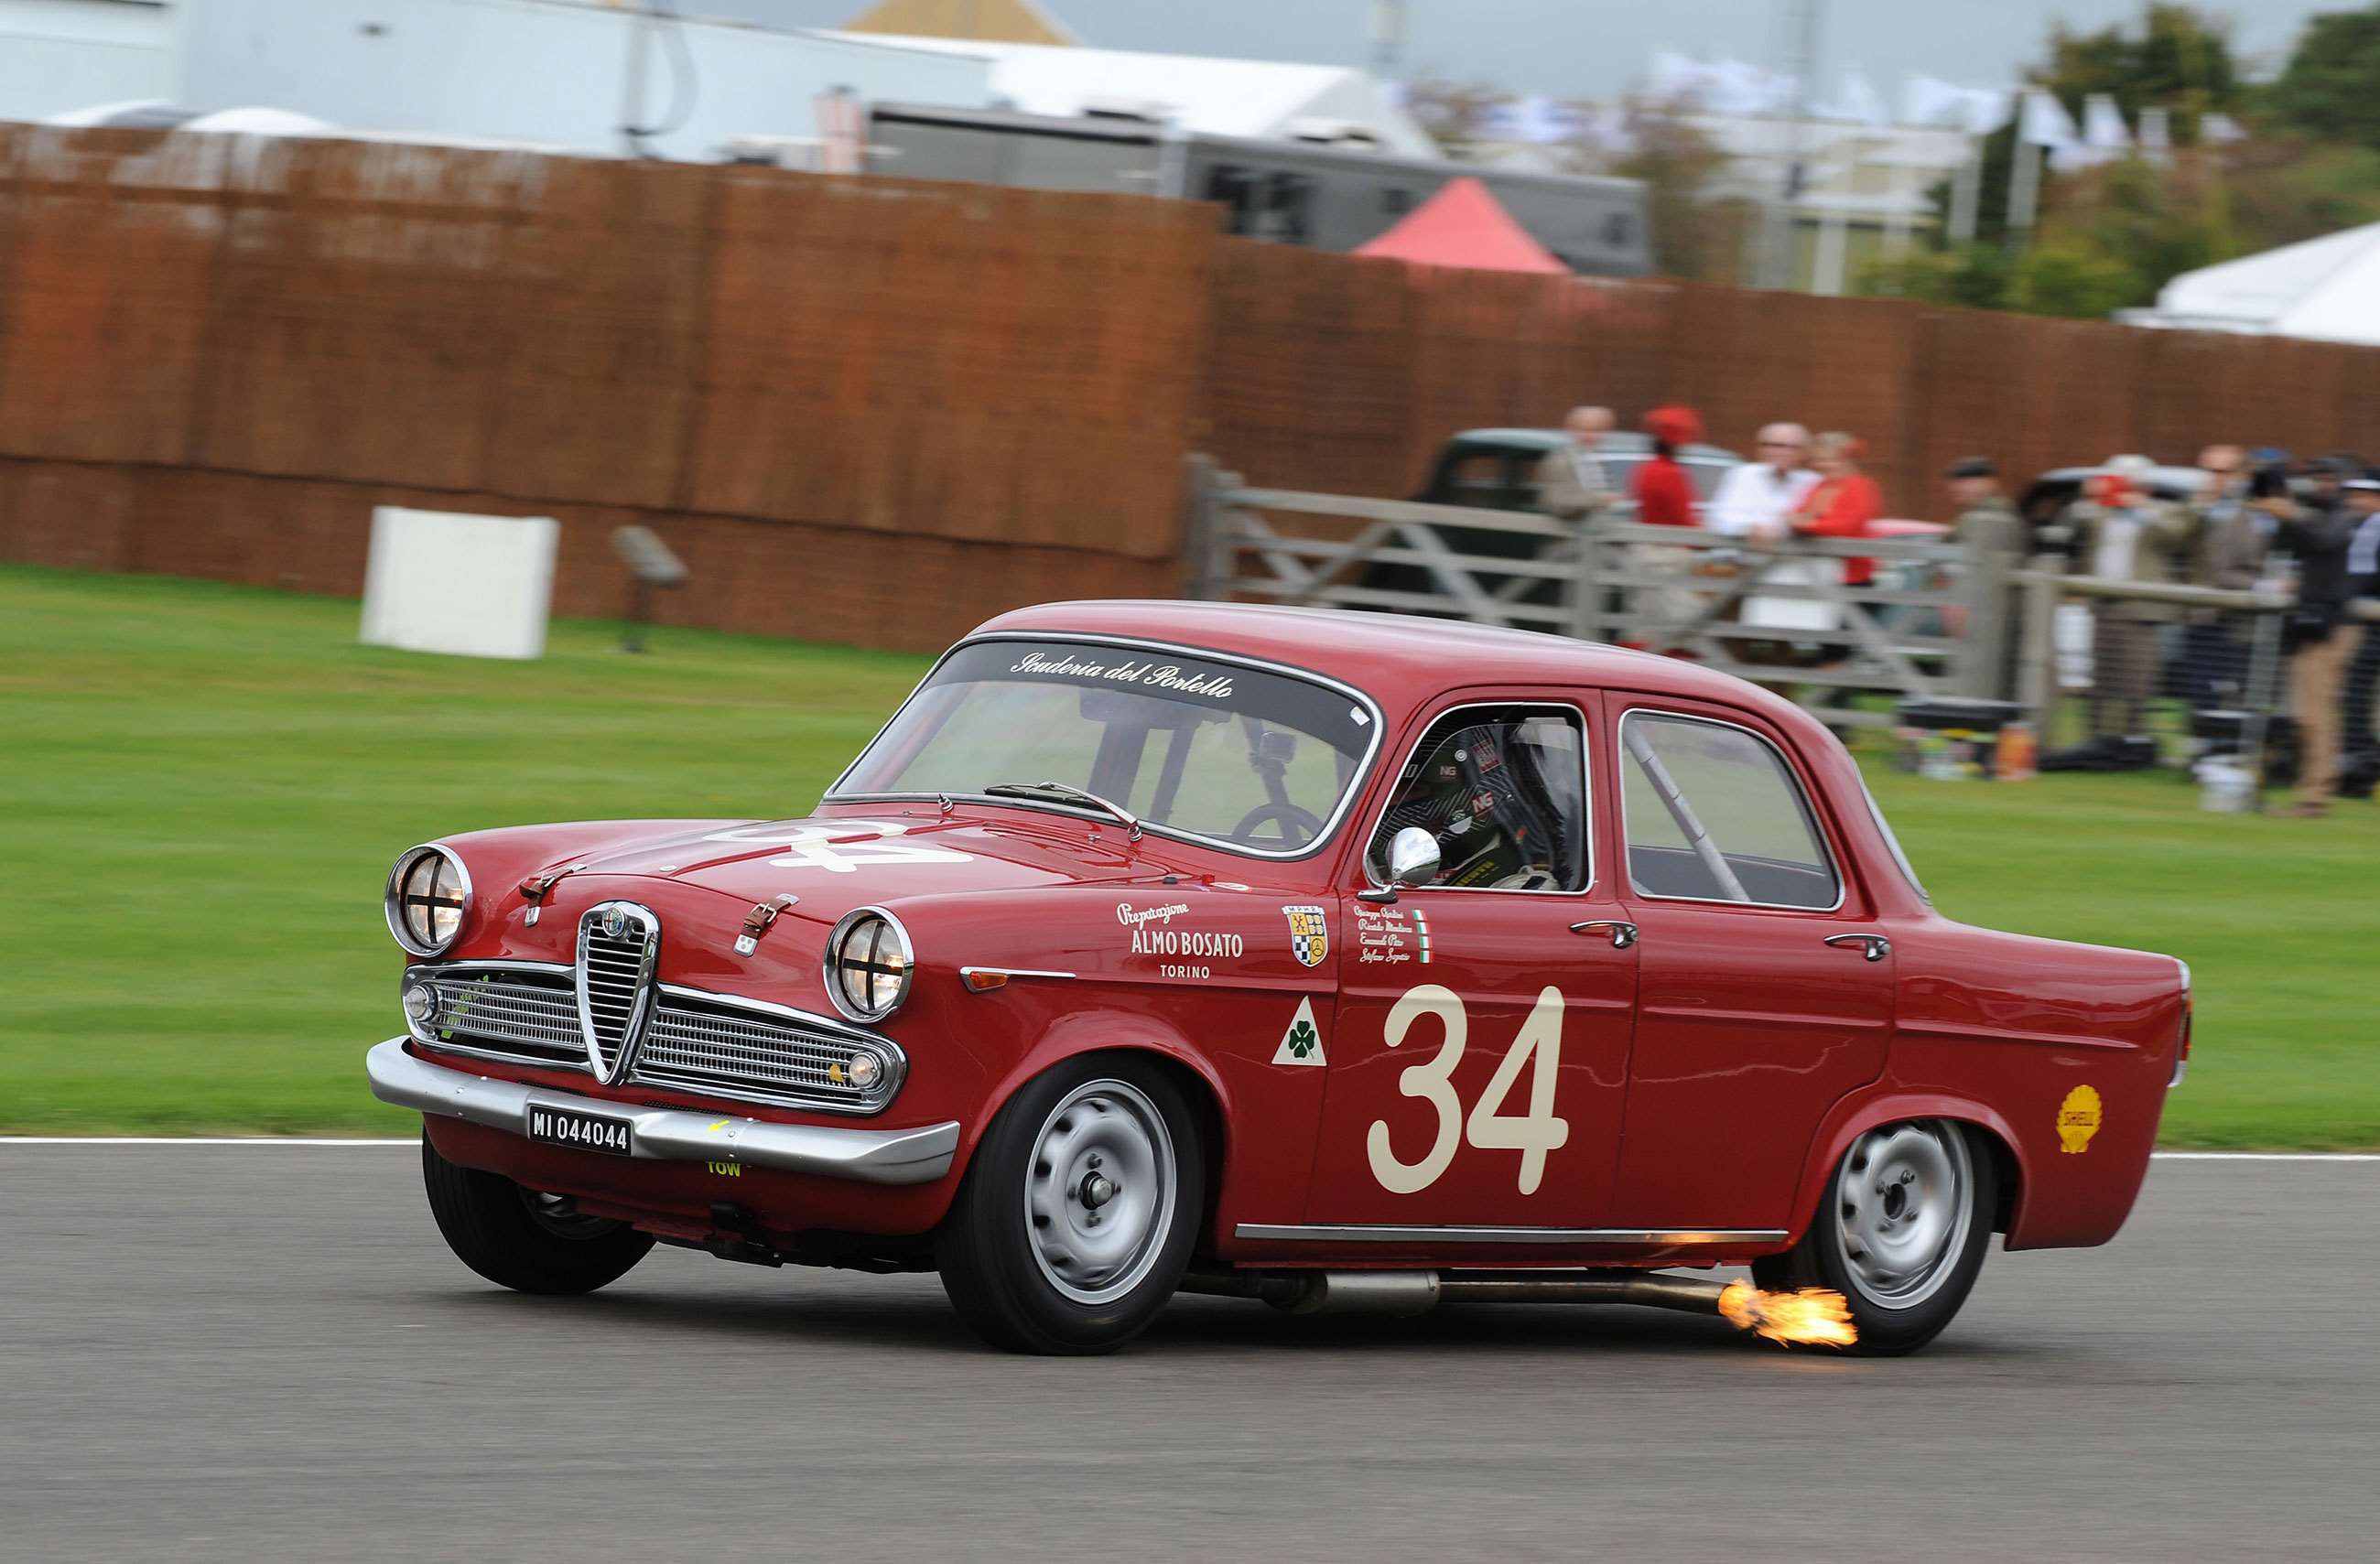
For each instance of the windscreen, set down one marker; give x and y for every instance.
(1253, 759)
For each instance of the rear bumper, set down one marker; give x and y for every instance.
(875, 1157)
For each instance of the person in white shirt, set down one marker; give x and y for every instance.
(1755, 497)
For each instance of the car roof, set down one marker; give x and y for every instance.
(1400, 660)
(1619, 442)
(2166, 477)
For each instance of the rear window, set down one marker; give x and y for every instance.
(1714, 813)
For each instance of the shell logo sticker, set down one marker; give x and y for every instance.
(2078, 1120)
(1309, 934)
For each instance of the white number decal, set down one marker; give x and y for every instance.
(1537, 1131)
(1533, 1135)
(1433, 1080)
(829, 845)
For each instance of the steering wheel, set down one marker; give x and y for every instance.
(1298, 825)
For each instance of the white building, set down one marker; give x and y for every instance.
(542, 73)
(59, 55)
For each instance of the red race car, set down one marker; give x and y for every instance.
(1335, 960)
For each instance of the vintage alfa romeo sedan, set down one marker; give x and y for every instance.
(1309, 956)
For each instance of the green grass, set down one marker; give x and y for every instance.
(202, 786)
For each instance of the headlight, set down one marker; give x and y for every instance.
(428, 892)
(868, 965)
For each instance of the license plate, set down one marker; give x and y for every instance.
(582, 1131)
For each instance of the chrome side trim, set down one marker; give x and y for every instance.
(967, 972)
(669, 1134)
(1356, 779)
(1364, 1232)
(1801, 792)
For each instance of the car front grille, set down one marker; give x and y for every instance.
(618, 943)
(514, 1013)
(706, 1047)
(707, 1044)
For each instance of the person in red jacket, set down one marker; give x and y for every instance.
(1664, 494)
(1843, 504)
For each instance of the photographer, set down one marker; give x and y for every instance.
(2318, 636)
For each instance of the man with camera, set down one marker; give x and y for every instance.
(2320, 636)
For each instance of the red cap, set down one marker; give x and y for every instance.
(1674, 426)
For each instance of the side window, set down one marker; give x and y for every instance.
(1714, 813)
(1503, 788)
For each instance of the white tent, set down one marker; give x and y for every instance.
(2326, 288)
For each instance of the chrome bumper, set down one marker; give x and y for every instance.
(875, 1157)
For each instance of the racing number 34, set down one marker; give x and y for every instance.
(1531, 1134)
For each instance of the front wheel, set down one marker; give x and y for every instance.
(523, 1240)
(1080, 1209)
(1900, 1233)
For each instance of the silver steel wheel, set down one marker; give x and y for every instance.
(1904, 1204)
(1100, 1192)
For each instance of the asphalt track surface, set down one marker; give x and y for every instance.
(265, 1352)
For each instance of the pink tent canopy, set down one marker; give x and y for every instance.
(1464, 226)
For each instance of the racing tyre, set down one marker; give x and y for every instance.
(1078, 1213)
(1900, 1233)
(520, 1239)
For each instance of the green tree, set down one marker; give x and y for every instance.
(2180, 59)
(1696, 232)
(2331, 87)
(2074, 277)
(1973, 276)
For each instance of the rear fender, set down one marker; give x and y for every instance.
(1863, 1112)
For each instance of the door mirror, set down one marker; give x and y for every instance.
(1412, 860)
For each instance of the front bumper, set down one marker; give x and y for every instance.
(876, 1156)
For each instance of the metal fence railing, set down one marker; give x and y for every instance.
(2175, 672)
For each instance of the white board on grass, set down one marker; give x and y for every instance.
(468, 586)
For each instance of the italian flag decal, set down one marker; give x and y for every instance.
(1421, 928)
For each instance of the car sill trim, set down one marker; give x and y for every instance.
(1366, 1233)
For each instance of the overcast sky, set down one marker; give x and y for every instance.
(1596, 48)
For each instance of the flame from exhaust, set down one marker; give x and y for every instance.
(1813, 1314)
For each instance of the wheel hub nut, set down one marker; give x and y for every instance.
(1097, 1190)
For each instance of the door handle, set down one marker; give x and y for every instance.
(1876, 947)
(1623, 934)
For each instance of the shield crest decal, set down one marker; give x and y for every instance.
(1309, 934)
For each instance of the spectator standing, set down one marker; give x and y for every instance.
(1572, 482)
(1755, 497)
(1842, 503)
(1985, 518)
(2123, 534)
(2321, 637)
(1663, 492)
(2360, 742)
(1987, 526)
(2230, 546)
(1665, 497)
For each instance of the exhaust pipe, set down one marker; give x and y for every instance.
(1407, 1293)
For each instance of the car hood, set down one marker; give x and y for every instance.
(833, 863)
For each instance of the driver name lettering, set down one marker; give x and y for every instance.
(1164, 677)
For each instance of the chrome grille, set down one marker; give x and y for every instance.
(521, 1014)
(617, 945)
(707, 1047)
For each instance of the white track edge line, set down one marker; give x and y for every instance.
(362, 1140)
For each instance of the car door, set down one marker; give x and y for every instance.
(1482, 1044)
(1765, 989)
